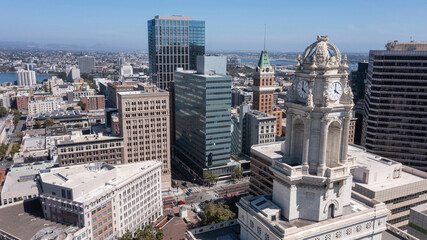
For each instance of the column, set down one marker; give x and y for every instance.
(344, 140)
(288, 137)
(306, 142)
(323, 144)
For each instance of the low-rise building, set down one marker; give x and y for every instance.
(75, 96)
(104, 200)
(96, 102)
(418, 221)
(22, 101)
(398, 186)
(82, 149)
(61, 90)
(43, 106)
(70, 119)
(19, 186)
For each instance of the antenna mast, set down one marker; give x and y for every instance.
(265, 33)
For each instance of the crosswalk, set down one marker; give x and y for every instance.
(195, 189)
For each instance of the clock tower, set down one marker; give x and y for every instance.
(313, 180)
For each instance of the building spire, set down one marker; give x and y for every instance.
(265, 34)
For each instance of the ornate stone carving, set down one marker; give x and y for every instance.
(359, 228)
(368, 225)
(328, 237)
(338, 234)
(251, 223)
(348, 231)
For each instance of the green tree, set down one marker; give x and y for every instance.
(37, 125)
(16, 116)
(3, 111)
(49, 122)
(20, 135)
(3, 149)
(277, 90)
(126, 236)
(215, 213)
(38, 82)
(15, 149)
(82, 105)
(237, 174)
(148, 232)
(70, 108)
(211, 179)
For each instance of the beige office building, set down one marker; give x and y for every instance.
(144, 125)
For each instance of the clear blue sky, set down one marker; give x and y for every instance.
(354, 26)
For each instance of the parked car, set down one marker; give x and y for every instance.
(190, 190)
(181, 202)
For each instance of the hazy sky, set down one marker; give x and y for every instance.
(354, 26)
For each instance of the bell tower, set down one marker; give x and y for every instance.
(313, 180)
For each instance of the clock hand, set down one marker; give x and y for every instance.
(303, 90)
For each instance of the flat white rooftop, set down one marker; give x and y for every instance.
(377, 163)
(272, 151)
(93, 179)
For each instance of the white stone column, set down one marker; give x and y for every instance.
(306, 142)
(344, 140)
(323, 145)
(288, 135)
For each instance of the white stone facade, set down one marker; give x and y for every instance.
(106, 200)
(43, 106)
(26, 77)
(312, 196)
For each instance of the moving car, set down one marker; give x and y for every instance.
(181, 202)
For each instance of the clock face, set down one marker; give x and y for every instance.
(302, 88)
(335, 91)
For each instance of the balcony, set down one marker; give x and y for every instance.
(289, 171)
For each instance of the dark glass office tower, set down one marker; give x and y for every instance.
(395, 119)
(202, 115)
(173, 42)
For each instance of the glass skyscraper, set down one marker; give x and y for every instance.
(173, 42)
(202, 117)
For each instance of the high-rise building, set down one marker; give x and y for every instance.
(144, 125)
(394, 123)
(103, 200)
(73, 74)
(312, 184)
(173, 42)
(26, 77)
(263, 90)
(202, 115)
(87, 64)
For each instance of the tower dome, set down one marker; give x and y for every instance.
(322, 55)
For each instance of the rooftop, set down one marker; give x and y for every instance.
(34, 143)
(86, 139)
(421, 208)
(354, 207)
(24, 220)
(173, 17)
(272, 150)
(380, 165)
(56, 131)
(406, 46)
(20, 183)
(93, 179)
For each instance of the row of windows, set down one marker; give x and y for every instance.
(89, 147)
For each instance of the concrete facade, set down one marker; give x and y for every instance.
(26, 77)
(144, 125)
(102, 199)
(82, 149)
(418, 222)
(394, 123)
(312, 196)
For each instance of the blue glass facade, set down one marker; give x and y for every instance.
(202, 118)
(173, 42)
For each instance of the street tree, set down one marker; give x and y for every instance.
(237, 174)
(211, 179)
(37, 125)
(82, 105)
(49, 122)
(3, 111)
(215, 213)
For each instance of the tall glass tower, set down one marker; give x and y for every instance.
(173, 42)
(202, 108)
